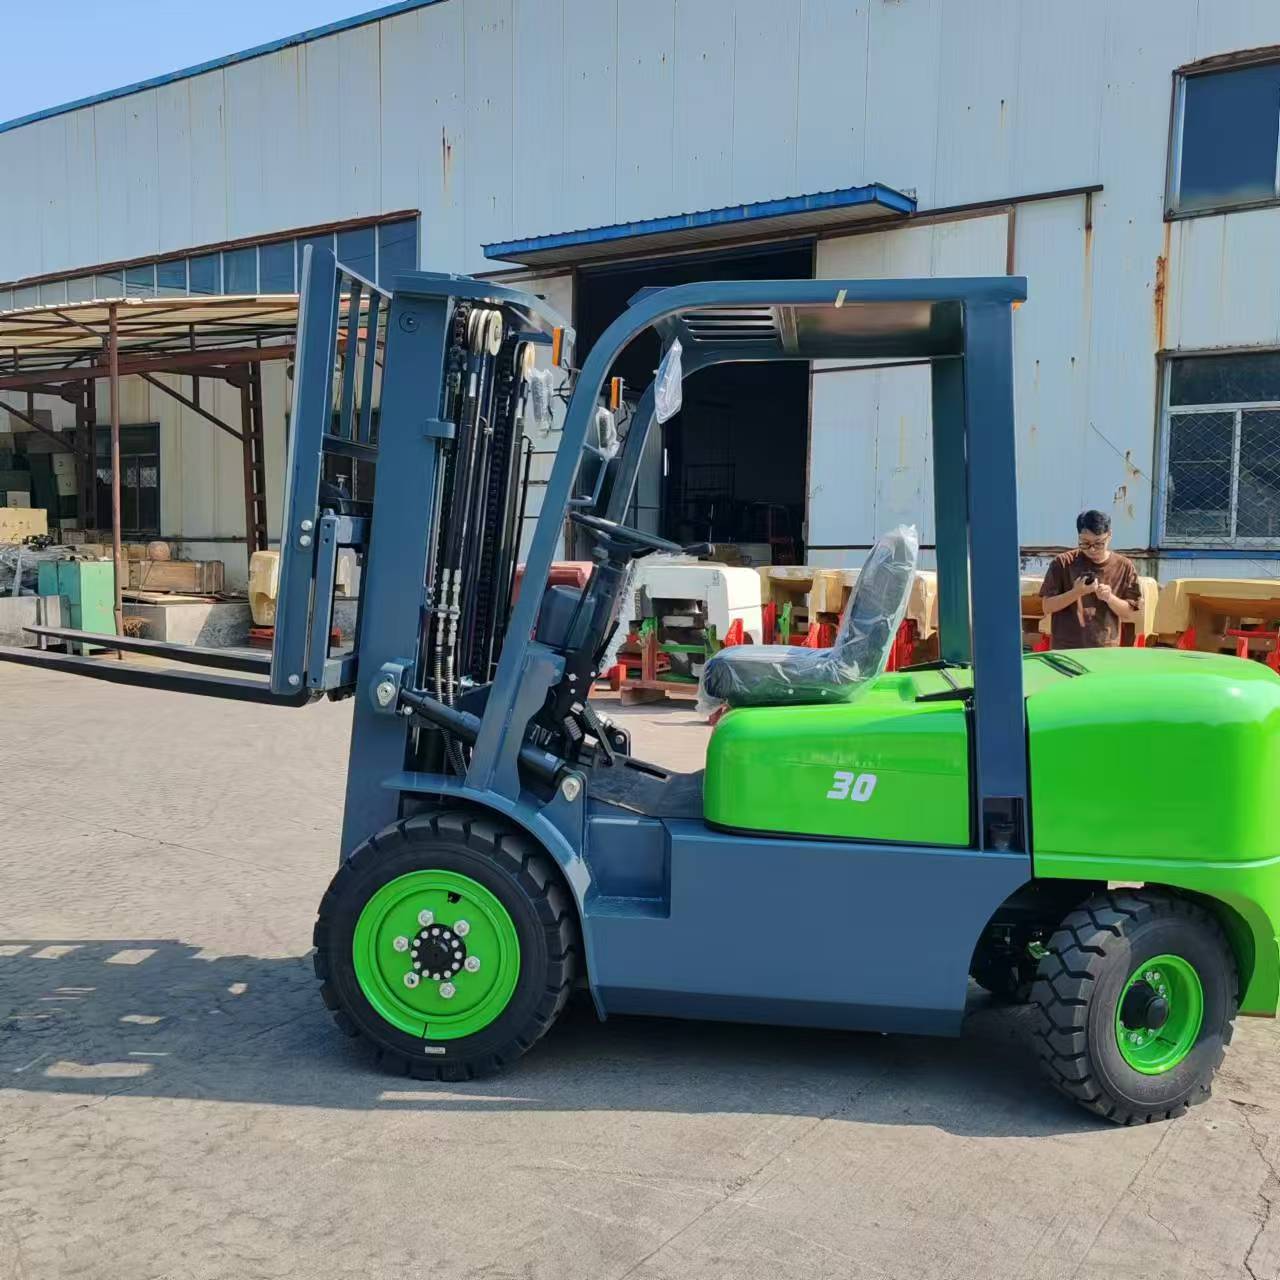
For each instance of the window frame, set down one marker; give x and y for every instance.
(1230, 541)
(109, 281)
(131, 451)
(1173, 174)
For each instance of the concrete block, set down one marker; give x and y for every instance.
(17, 612)
(221, 625)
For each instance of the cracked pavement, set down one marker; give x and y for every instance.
(175, 1104)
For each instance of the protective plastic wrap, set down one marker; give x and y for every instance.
(668, 386)
(779, 674)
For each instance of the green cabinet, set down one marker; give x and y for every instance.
(89, 587)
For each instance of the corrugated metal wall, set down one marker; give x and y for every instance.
(505, 118)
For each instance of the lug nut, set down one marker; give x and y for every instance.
(401, 943)
(447, 990)
(462, 928)
(472, 964)
(411, 980)
(425, 918)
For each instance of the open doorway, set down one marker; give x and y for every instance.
(730, 468)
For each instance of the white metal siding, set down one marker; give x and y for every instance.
(506, 118)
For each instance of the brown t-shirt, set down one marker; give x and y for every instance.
(1100, 628)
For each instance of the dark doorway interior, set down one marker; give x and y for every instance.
(732, 463)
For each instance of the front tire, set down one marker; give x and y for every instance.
(448, 942)
(1135, 1000)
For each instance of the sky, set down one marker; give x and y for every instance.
(60, 50)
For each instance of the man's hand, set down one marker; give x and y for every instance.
(1083, 588)
(1104, 593)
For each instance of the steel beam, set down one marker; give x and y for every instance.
(153, 381)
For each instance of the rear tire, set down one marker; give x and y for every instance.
(461, 864)
(1121, 963)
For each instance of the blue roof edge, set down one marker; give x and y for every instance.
(227, 60)
(844, 198)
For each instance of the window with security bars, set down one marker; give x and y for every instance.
(1221, 474)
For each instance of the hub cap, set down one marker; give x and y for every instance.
(465, 974)
(1159, 1014)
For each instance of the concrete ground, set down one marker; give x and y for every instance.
(174, 1101)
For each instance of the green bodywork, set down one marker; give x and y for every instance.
(1153, 766)
(784, 768)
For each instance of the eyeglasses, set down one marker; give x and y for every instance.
(1094, 544)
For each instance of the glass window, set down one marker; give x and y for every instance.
(140, 282)
(80, 289)
(6, 299)
(206, 274)
(240, 271)
(171, 278)
(1225, 379)
(1230, 133)
(275, 266)
(1222, 465)
(108, 284)
(139, 480)
(357, 251)
(28, 297)
(53, 293)
(397, 249)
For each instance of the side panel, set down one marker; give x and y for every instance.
(883, 767)
(803, 932)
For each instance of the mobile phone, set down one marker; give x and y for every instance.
(1089, 579)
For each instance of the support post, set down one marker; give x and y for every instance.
(117, 551)
(246, 454)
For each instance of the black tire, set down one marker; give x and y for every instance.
(509, 865)
(1079, 983)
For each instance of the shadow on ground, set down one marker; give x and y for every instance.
(163, 1019)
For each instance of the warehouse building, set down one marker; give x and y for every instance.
(1122, 157)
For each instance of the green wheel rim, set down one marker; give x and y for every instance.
(439, 985)
(1154, 1052)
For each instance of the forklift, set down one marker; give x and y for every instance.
(1097, 833)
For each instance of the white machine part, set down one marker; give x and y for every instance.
(728, 591)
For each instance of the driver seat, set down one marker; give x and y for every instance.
(787, 675)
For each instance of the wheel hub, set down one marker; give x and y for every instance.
(1159, 1014)
(438, 952)
(1144, 1009)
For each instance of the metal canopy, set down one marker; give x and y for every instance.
(741, 222)
(54, 340)
(964, 326)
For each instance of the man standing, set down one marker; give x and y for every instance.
(1090, 592)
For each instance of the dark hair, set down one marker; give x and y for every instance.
(1097, 522)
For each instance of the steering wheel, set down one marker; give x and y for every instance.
(626, 538)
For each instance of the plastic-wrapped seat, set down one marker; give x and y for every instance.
(781, 674)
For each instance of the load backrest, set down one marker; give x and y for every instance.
(879, 602)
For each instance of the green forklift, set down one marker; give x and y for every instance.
(1096, 832)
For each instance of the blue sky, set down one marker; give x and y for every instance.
(59, 50)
